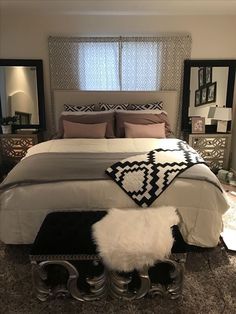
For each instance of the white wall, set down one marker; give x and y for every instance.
(213, 37)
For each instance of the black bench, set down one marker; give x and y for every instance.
(65, 262)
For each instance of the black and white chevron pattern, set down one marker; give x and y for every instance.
(145, 177)
(150, 106)
(74, 108)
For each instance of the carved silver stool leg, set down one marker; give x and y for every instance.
(118, 286)
(145, 283)
(43, 292)
(98, 288)
(174, 289)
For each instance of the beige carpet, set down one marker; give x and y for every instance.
(209, 287)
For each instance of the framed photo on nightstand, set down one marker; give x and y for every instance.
(198, 125)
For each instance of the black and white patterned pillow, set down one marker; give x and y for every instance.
(84, 108)
(136, 107)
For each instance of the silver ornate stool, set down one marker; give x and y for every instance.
(65, 262)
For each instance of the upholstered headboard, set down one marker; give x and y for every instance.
(169, 98)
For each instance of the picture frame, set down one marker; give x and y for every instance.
(197, 97)
(211, 93)
(208, 74)
(198, 125)
(201, 77)
(204, 96)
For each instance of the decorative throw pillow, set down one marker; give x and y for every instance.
(79, 130)
(89, 119)
(89, 112)
(136, 107)
(146, 118)
(83, 108)
(155, 130)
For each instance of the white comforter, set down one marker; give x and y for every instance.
(22, 209)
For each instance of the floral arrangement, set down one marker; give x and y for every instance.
(8, 120)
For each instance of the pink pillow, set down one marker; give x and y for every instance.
(80, 130)
(154, 130)
(137, 118)
(89, 118)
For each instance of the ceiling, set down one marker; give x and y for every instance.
(121, 7)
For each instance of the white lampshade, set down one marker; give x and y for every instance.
(220, 113)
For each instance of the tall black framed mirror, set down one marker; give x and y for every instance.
(22, 92)
(207, 84)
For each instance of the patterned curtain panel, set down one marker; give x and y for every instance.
(119, 63)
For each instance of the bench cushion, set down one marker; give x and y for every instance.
(67, 233)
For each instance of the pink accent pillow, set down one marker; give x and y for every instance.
(89, 118)
(155, 130)
(80, 130)
(137, 118)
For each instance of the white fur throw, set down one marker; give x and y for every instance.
(128, 239)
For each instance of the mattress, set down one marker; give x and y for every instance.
(200, 204)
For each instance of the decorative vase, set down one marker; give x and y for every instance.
(6, 129)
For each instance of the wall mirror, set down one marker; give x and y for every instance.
(207, 84)
(22, 92)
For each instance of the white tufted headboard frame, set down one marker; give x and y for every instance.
(169, 98)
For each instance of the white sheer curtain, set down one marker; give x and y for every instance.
(98, 66)
(140, 66)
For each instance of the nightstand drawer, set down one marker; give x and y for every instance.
(211, 153)
(15, 146)
(208, 142)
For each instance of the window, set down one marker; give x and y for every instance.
(119, 66)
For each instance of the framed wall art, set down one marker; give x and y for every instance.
(211, 93)
(204, 96)
(201, 77)
(208, 74)
(197, 97)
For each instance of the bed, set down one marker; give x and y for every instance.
(200, 202)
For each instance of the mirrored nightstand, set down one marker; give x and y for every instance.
(214, 148)
(15, 146)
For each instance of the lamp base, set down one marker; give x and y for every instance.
(221, 126)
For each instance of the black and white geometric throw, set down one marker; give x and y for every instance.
(145, 177)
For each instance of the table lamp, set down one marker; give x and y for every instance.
(222, 115)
